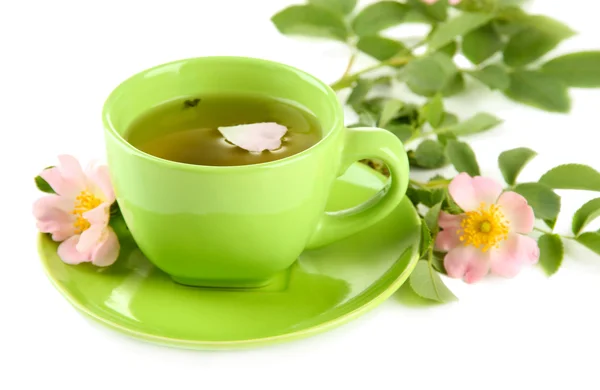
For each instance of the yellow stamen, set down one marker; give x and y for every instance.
(484, 228)
(84, 202)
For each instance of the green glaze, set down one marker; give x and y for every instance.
(326, 287)
(240, 226)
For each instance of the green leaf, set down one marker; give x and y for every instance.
(367, 118)
(375, 105)
(481, 43)
(43, 185)
(359, 93)
(591, 240)
(449, 119)
(385, 81)
(425, 238)
(430, 74)
(580, 69)
(445, 137)
(512, 162)
(538, 90)
(586, 214)
(408, 113)
(477, 5)
(551, 253)
(310, 20)
(450, 206)
(541, 35)
(117, 222)
(508, 3)
(412, 193)
(343, 7)
(437, 12)
(462, 157)
(389, 111)
(380, 48)
(455, 27)
(455, 86)
(400, 130)
(430, 154)
(437, 261)
(494, 76)
(437, 177)
(426, 283)
(430, 198)
(433, 111)
(379, 16)
(572, 177)
(544, 201)
(449, 49)
(432, 216)
(115, 209)
(476, 124)
(550, 223)
(510, 21)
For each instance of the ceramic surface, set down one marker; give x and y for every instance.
(240, 225)
(324, 288)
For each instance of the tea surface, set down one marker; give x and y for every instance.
(185, 130)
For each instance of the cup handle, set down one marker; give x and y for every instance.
(361, 143)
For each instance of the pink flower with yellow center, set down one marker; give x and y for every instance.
(490, 235)
(79, 212)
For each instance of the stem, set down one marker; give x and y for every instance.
(431, 271)
(417, 136)
(542, 230)
(348, 79)
(549, 232)
(350, 64)
(431, 184)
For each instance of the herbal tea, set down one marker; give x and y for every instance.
(186, 130)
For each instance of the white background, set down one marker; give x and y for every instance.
(61, 59)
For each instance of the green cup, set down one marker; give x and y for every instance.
(240, 226)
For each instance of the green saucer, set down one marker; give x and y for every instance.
(323, 289)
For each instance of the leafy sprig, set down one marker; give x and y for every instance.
(505, 46)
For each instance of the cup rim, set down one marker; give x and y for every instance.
(337, 125)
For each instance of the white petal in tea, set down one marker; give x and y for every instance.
(255, 137)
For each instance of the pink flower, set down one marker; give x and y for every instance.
(489, 236)
(451, 2)
(79, 212)
(255, 137)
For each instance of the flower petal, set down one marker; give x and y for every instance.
(98, 215)
(59, 231)
(512, 254)
(99, 176)
(67, 178)
(469, 192)
(51, 206)
(487, 190)
(255, 137)
(90, 238)
(71, 170)
(60, 184)
(52, 216)
(447, 240)
(467, 263)
(518, 213)
(449, 221)
(68, 252)
(107, 251)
